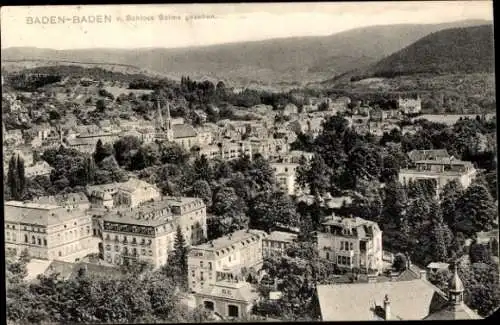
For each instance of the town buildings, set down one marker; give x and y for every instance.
(351, 243)
(69, 201)
(47, 231)
(442, 170)
(410, 105)
(412, 299)
(286, 174)
(147, 231)
(277, 243)
(223, 258)
(145, 234)
(40, 168)
(228, 299)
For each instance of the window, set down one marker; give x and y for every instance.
(117, 248)
(33, 240)
(351, 246)
(339, 260)
(193, 273)
(201, 276)
(25, 238)
(208, 305)
(59, 253)
(44, 242)
(201, 264)
(210, 265)
(327, 256)
(232, 311)
(39, 242)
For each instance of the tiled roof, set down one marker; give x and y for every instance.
(232, 241)
(428, 154)
(241, 291)
(38, 214)
(147, 214)
(183, 131)
(438, 265)
(410, 300)
(281, 236)
(133, 184)
(61, 199)
(454, 313)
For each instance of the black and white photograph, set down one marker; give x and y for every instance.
(249, 162)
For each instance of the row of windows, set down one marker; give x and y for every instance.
(274, 244)
(35, 241)
(345, 246)
(132, 251)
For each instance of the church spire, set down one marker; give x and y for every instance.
(456, 287)
(160, 118)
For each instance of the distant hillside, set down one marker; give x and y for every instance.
(457, 50)
(295, 60)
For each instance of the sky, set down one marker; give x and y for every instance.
(216, 24)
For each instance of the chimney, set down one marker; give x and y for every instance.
(423, 274)
(387, 308)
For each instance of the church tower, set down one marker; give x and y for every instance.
(163, 128)
(455, 288)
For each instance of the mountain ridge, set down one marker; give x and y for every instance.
(292, 59)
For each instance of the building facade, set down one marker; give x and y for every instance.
(277, 243)
(48, 232)
(441, 170)
(224, 258)
(351, 243)
(286, 177)
(228, 299)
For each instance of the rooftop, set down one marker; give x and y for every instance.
(36, 213)
(153, 213)
(232, 241)
(183, 131)
(241, 291)
(281, 236)
(410, 300)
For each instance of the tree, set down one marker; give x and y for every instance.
(90, 170)
(394, 203)
(476, 210)
(202, 189)
(318, 176)
(125, 148)
(102, 151)
(229, 210)
(400, 262)
(100, 106)
(15, 177)
(449, 197)
(270, 208)
(202, 169)
(179, 258)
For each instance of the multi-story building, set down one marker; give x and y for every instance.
(277, 243)
(191, 215)
(295, 157)
(434, 154)
(130, 194)
(228, 299)
(286, 177)
(146, 233)
(410, 105)
(47, 231)
(69, 201)
(223, 258)
(351, 243)
(441, 170)
(134, 192)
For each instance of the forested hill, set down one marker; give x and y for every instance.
(289, 60)
(456, 50)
